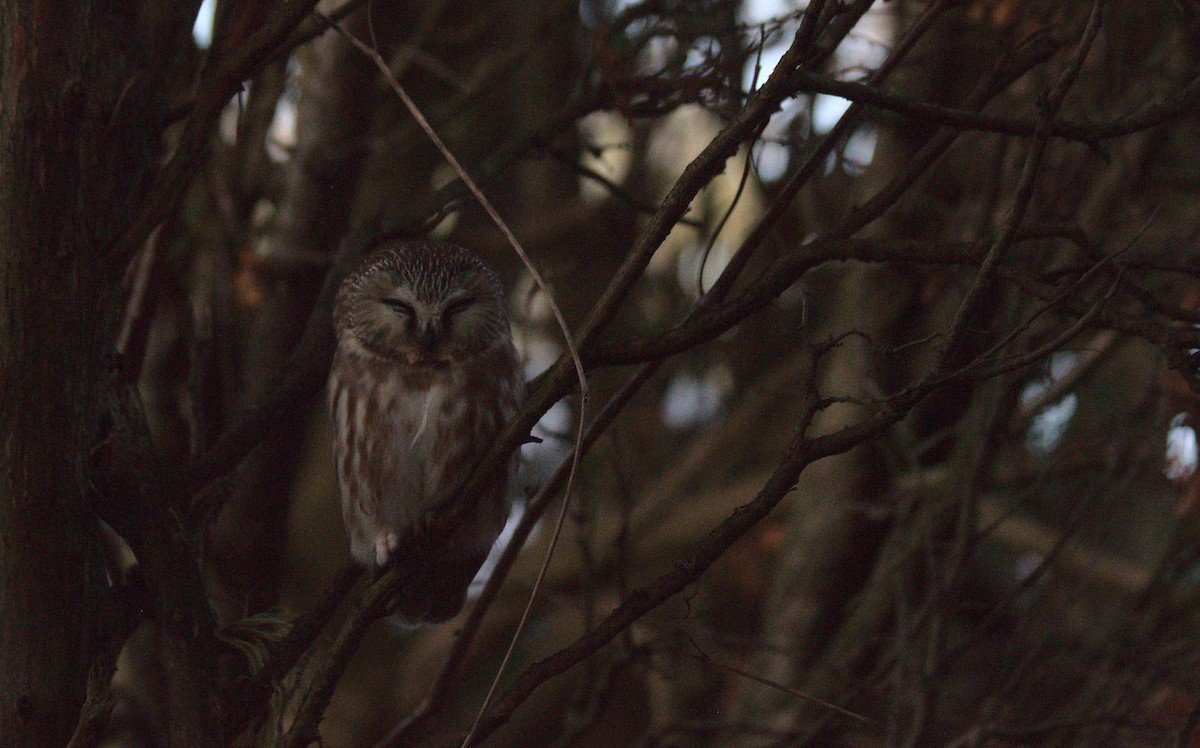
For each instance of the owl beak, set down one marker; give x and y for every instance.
(428, 336)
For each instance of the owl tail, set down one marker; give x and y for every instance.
(439, 591)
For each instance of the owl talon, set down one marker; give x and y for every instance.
(386, 545)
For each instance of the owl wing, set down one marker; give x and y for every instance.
(378, 475)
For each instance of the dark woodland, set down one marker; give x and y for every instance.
(888, 313)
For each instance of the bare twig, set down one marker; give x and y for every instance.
(139, 306)
(1086, 131)
(1022, 197)
(704, 657)
(1006, 72)
(615, 189)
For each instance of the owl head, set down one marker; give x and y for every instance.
(422, 303)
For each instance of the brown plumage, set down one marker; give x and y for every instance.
(424, 377)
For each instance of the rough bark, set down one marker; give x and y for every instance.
(74, 144)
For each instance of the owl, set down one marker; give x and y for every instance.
(424, 378)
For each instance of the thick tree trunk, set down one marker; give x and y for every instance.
(74, 140)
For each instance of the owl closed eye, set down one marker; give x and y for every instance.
(450, 313)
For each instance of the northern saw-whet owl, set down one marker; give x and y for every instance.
(424, 378)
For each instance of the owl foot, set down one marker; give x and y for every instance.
(386, 545)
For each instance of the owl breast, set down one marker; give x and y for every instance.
(406, 440)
